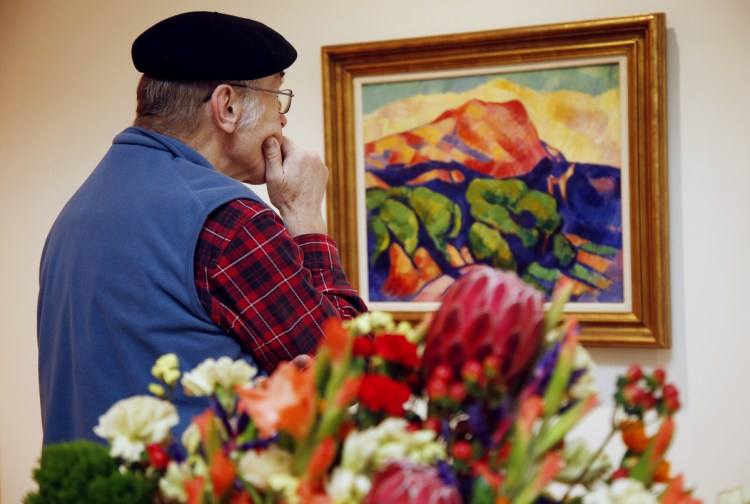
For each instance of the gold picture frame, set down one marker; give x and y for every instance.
(634, 47)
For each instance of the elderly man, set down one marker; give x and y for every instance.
(164, 250)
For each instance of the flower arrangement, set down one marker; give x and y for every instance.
(473, 405)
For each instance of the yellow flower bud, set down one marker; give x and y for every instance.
(156, 389)
(165, 368)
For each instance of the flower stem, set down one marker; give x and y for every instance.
(593, 457)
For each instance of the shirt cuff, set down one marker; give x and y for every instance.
(320, 252)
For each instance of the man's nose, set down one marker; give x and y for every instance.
(283, 120)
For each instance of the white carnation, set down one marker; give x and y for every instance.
(225, 372)
(133, 423)
(172, 485)
(585, 385)
(359, 448)
(348, 487)
(257, 468)
(372, 449)
(737, 495)
(191, 438)
(369, 322)
(621, 491)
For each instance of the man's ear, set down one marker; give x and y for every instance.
(225, 108)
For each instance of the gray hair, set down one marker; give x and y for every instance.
(176, 108)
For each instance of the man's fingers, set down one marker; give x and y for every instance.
(302, 362)
(272, 154)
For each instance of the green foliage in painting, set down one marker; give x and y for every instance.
(381, 236)
(401, 222)
(488, 243)
(544, 209)
(589, 276)
(563, 249)
(507, 208)
(400, 212)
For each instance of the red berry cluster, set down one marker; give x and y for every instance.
(474, 380)
(638, 392)
(451, 390)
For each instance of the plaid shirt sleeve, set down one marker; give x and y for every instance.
(266, 289)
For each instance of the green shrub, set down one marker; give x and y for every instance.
(83, 471)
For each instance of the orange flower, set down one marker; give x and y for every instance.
(322, 458)
(676, 494)
(204, 421)
(336, 338)
(194, 490)
(663, 438)
(312, 493)
(551, 467)
(531, 409)
(222, 473)
(634, 435)
(240, 498)
(661, 474)
(287, 402)
(348, 393)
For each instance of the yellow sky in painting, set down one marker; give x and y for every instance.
(585, 128)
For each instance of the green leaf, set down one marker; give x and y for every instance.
(482, 492)
(553, 435)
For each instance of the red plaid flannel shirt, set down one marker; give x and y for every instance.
(266, 289)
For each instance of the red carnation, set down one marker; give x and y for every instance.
(157, 456)
(363, 346)
(396, 348)
(380, 393)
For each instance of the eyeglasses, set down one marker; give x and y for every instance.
(283, 96)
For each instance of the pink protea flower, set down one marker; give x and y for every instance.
(406, 483)
(486, 313)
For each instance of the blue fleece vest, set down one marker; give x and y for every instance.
(117, 286)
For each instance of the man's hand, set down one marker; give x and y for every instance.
(296, 181)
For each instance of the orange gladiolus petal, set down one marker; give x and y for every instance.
(240, 498)
(194, 490)
(531, 409)
(336, 338)
(348, 393)
(676, 494)
(286, 403)
(322, 458)
(222, 473)
(551, 467)
(204, 421)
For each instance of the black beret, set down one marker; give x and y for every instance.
(211, 46)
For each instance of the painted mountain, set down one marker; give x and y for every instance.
(478, 185)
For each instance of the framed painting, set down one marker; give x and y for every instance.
(540, 150)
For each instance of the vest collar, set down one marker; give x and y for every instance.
(135, 135)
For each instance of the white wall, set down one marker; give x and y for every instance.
(67, 87)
